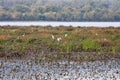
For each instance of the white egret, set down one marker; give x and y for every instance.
(59, 39)
(66, 35)
(53, 37)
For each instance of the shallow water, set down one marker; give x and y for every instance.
(75, 24)
(62, 70)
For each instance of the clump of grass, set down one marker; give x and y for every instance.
(1, 48)
(66, 47)
(115, 37)
(2, 42)
(116, 48)
(90, 45)
(31, 41)
(19, 40)
(105, 43)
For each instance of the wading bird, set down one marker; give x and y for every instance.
(53, 37)
(66, 35)
(59, 39)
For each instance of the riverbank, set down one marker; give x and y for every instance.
(59, 53)
(38, 56)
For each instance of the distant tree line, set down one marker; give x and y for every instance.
(60, 10)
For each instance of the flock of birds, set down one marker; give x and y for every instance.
(58, 38)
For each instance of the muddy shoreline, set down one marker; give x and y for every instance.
(41, 65)
(39, 55)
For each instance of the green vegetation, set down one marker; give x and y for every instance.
(76, 43)
(72, 39)
(90, 45)
(60, 10)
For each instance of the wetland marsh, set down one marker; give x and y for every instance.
(59, 53)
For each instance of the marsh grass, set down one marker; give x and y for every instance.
(90, 45)
(81, 39)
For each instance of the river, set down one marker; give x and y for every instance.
(75, 24)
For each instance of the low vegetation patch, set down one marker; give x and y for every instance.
(60, 39)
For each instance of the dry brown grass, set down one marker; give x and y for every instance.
(4, 37)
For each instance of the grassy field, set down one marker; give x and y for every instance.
(59, 39)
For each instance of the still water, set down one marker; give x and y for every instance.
(29, 70)
(75, 24)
